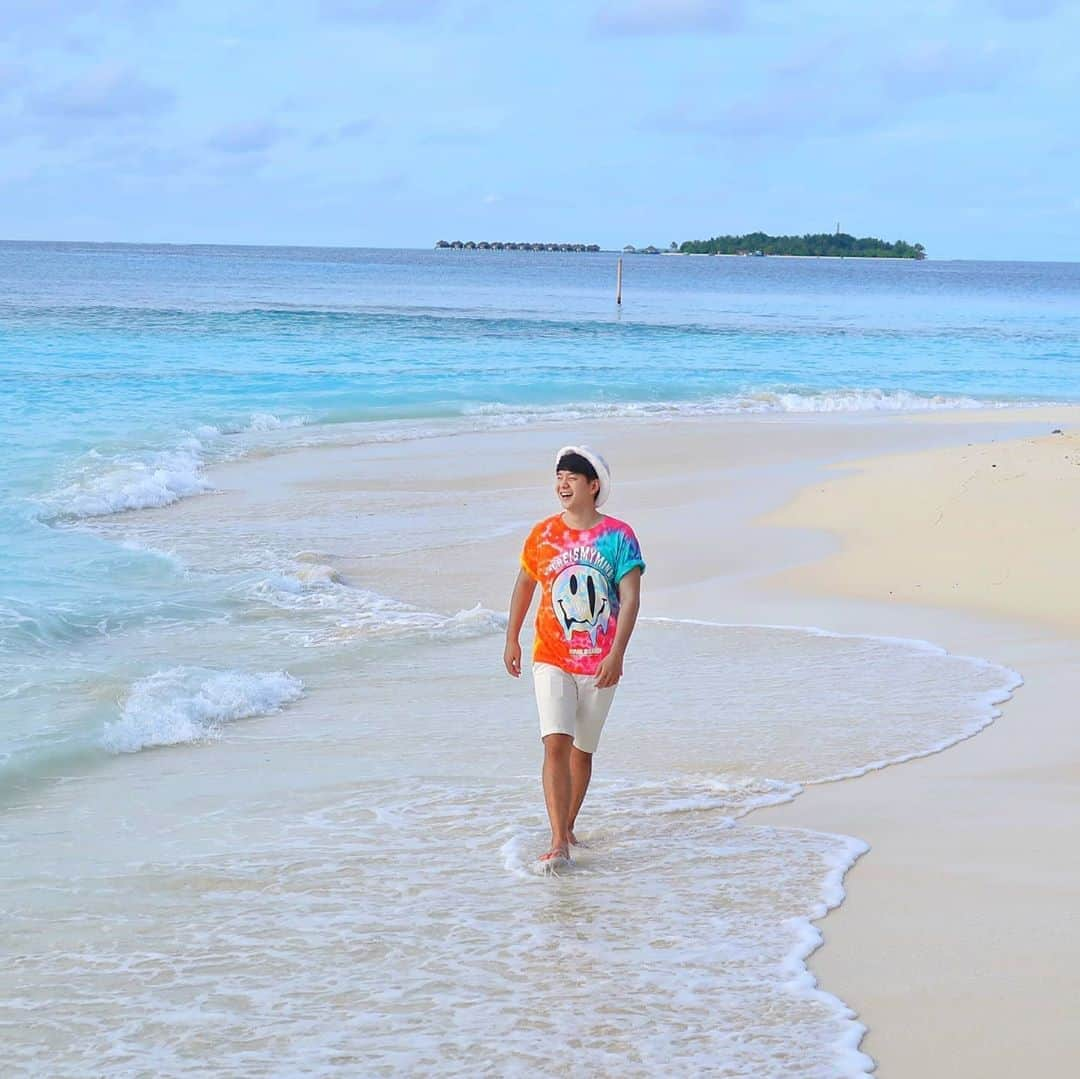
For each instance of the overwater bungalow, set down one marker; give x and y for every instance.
(500, 245)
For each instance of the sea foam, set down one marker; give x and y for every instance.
(152, 478)
(116, 483)
(267, 421)
(681, 905)
(338, 610)
(191, 704)
(839, 400)
(128, 482)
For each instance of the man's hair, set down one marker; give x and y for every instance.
(574, 462)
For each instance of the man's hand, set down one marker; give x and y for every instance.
(610, 671)
(512, 658)
(520, 598)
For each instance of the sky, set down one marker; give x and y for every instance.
(397, 123)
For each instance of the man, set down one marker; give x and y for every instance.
(589, 569)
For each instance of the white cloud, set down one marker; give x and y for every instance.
(834, 90)
(933, 68)
(389, 11)
(356, 128)
(11, 76)
(45, 25)
(247, 138)
(105, 92)
(654, 17)
(1026, 10)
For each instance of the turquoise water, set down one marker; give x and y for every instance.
(126, 370)
(287, 893)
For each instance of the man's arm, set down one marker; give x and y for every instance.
(610, 670)
(520, 600)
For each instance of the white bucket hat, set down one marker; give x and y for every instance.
(603, 473)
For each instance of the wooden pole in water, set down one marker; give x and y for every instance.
(618, 284)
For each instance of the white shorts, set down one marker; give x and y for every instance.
(571, 704)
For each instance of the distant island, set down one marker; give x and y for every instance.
(830, 244)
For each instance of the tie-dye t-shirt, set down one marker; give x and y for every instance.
(579, 574)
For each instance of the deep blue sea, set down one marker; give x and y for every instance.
(128, 372)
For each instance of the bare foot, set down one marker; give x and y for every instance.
(573, 838)
(556, 854)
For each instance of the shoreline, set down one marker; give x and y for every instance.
(369, 508)
(966, 845)
(925, 936)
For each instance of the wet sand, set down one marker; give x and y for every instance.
(956, 528)
(958, 942)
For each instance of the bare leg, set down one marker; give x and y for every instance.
(580, 774)
(557, 789)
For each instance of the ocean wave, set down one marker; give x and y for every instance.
(702, 923)
(191, 704)
(126, 482)
(703, 928)
(108, 484)
(347, 612)
(746, 403)
(256, 423)
(266, 421)
(118, 483)
(856, 400)
(735, 795)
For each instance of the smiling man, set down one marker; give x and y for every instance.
(589, 569)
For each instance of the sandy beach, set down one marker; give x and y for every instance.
(959, 529)
(959, 922)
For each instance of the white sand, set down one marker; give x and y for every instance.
(958, 944)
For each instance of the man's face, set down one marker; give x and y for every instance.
(574, 492)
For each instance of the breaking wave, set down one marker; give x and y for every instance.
(191, 704)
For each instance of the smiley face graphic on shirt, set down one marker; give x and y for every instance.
(581, 601)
